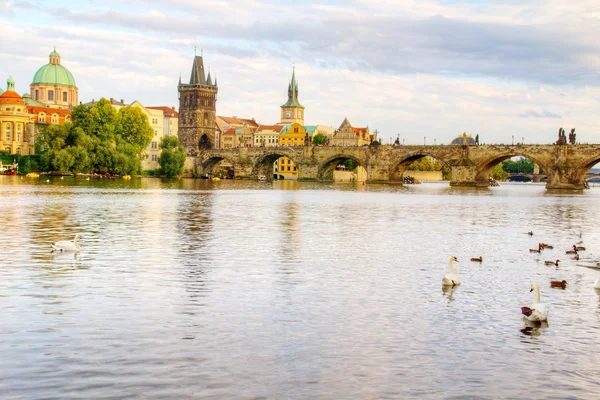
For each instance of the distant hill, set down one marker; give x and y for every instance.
(594, 171)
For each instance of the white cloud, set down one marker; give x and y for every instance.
(410, 68)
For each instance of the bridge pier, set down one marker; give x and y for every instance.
(378, 174)
(562, 179)
(465, 175)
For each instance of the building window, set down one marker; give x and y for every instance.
(8, 132)
(18, 150)
(65, 97)
(154, 145)
(50, 95)
(153, 157)
(18, 137)
(42, 118)
(7, 150)
(155, 132)
(37, 94)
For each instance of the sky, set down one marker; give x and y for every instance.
(422, 70)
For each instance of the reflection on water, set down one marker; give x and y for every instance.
(198, 289)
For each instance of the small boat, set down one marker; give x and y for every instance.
(33, 175)
(262, 178)
(216, 179)
(126, 176)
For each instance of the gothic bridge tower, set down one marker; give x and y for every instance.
(197, 110)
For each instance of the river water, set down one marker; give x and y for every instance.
(194, 289)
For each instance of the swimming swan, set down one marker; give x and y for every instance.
(537, 311)
(66, 245)
(451, 279)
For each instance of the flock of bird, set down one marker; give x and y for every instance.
(536, 312)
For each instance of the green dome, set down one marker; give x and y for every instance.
(54, 53)
(54, 74)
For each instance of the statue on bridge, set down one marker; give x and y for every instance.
(572, 136)
(562, 139)
(477, 139)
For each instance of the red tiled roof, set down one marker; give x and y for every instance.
(360, 131)
(63, 112)
(168, 111)
(276, 128)
(10, 97)
(239, 121)
(230, 131)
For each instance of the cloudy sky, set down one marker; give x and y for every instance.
(415, 68)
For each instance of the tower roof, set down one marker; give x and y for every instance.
(293, 93)
(198, 77)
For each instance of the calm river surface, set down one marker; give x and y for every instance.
(193, 289)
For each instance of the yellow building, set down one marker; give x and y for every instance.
(16, 129)
(54, 86)
(291, 135)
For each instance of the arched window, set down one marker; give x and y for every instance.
(8, 131)
(42, 118)
(18, 150)
(7, 150)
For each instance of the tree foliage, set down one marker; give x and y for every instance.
(319, 138)
(99, 139)
(498, 173)
(520, 166)
(172, 157)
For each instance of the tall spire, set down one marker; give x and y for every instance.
(293, 92)
(208, 79)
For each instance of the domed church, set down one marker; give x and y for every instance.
(53, 85)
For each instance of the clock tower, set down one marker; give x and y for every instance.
(292, 111)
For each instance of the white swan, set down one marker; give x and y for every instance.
(537, 311)
(451, 279)
(66, 245)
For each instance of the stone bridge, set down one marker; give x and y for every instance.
(564, 165)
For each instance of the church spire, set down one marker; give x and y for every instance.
(293, 92)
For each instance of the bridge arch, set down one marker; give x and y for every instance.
(486, 166)
(327, 167)
(399, 167)
(208, 164)
(580, 172)
(264, 163)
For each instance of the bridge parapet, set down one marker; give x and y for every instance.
(565, 165)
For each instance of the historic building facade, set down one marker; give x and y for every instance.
(53, 85)
(16, 128)
(197, 110)
(171, 119)
(267, 135)
(347, 135)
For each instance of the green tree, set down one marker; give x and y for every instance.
(99, 140)
(350, 164)
(133, 127)
(319, 138)
(172, 157)
(498, 173)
